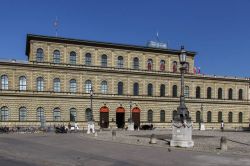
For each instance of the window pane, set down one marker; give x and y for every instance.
(104, 61)
(22, 83)
(88, 114)
(56, 114)
(162, 65)
(162, 116)
(39, 84)
(4, 82)
(120, 62)
(120, 88)
(40, 114)
(186, 91)
(73, 58)
(88, 59)
(150, 116)
(56, 56)
(136, 63)
(57, 85)
(72, 87)
(72, 114)
(104, 87)
(4, 114)
(22, 114)
(88, 86)
(39, 55)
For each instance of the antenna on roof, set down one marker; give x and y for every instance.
(157, 36)
(56, 25)
(157, 43)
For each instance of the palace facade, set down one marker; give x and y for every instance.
(127, 81)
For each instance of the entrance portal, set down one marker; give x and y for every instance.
(136, 117)
(104, 117)
(120, 117)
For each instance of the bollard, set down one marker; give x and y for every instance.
(152, 139)
(223, 143)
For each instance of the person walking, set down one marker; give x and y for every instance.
(222, 126)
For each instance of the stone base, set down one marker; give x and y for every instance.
(182, 135)
(202, 127)
(131, 126)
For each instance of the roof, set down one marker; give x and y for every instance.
(99, 44)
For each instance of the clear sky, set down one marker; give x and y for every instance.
(218, 30)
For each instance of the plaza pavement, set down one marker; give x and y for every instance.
(78, 149)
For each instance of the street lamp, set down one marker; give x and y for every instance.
(182, 125)
(131, 123)
(182, 110)
(91, 106)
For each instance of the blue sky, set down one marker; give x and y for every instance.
(219, 31)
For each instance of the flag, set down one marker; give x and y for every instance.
(194, 70)
(199, 70)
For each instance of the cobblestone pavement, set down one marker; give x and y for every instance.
(81, 149)
(207, 141)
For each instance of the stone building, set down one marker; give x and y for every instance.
(127, 81)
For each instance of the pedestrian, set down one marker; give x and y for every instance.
(222, 126)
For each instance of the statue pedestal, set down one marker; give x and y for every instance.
(182, 134)
(131, 126)
(202, 127)
(91, 127)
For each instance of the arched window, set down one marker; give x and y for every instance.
(198, 116)
(56, 56)
(230, 94)
(209, 92)
(150, 64)
(175, 91)
(209, 116)
(4, 114)
(57, 85)
(174, 114)
(198, 92)
(219, 116)
(4, 82)
(22, 114)
(40, 114)
(162, 116)
(39, 84)
(162, 65)
(104, 87)
(120, 88)
(136, 63)
(72, 114)
(150, 116)
(162, 90)
(88, 86)
(88, 60)
(22, 83)
(104, 61)
(136, 89)
(120, 62)
(174, 66)
(240, 117)
(186, 91)
(240, 94)
(39, 55)
(88, 114)
(72, 86)
(72, 58)
(57, 114)
(150, 90)
(230, 117)
(219, 93)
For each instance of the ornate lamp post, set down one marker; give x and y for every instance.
(130, 122)
(182, 125)
(91, 106)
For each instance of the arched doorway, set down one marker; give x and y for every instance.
(120, 117)
(136, 117)
(104, 117)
